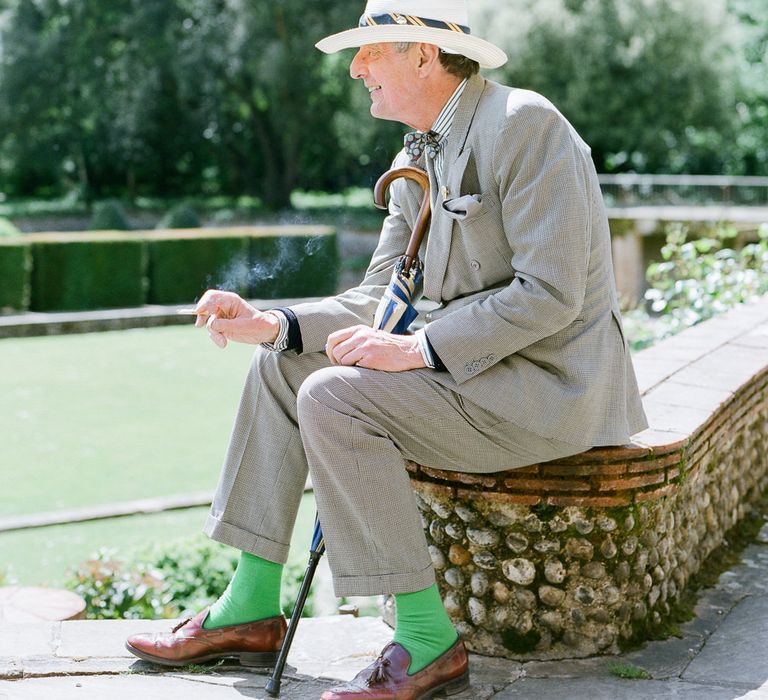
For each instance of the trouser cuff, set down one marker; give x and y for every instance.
(245, 541)
(384, 583)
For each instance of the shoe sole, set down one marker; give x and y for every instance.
(452, 687)
(265, 659)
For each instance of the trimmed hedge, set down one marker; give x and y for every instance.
(109, 215)
(80, 271)
(15, 267)
(8, 229)
(181, 216)
(181, 269)
(73, 272)
(293, 265)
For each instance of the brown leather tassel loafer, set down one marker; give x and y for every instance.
(387, 678)
(252, 643)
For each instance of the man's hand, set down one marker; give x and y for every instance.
(365, 347)
(229, 317)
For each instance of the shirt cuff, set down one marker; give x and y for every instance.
(281, 342)
(289, 335)
(295, 342)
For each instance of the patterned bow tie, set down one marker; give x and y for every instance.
(417, 142)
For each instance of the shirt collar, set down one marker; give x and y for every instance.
(442, 126)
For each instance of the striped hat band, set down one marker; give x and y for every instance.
(396, 18)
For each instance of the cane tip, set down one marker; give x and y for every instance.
(272, 687)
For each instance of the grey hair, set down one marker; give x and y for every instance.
(454, 63)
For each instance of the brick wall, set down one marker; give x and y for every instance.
(569, 558)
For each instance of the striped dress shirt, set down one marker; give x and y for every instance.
(442, 126)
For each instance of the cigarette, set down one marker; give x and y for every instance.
(191, 312)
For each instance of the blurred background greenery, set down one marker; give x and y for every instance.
(207, 98)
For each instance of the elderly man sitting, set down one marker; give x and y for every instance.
(524, 360)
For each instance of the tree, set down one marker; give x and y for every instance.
(270, 101)
(749, 152)
(86, 93)
(171, 97)
(648, 84)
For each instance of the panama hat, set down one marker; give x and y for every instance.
(444, 23)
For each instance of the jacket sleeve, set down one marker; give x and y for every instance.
(317, 320)
(541, 169)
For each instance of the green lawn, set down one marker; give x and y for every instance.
(109, 417)
(100, 417)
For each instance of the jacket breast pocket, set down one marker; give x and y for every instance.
(469, 208)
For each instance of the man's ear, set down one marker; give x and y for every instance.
(427, 59)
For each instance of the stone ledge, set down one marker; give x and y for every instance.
(32, 323)
(576, 556)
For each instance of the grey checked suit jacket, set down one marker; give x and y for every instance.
(529, 325)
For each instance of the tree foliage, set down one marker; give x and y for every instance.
(188, 97)
(647, 83)
(178, 96)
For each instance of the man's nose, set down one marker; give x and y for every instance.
(357, 66)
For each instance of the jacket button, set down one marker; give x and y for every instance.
(474, 265)
(428, 317)
(468, 369)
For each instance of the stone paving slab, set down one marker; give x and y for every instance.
(612, 689)
(30, 639)
(738, 653)
(151, 688)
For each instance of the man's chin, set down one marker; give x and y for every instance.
(379, 113)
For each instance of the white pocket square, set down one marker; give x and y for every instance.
(463, 207)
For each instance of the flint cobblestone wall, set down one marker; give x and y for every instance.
(570, 558)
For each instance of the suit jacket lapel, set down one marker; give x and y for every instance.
(441, 228)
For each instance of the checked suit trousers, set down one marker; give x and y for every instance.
(353, 429)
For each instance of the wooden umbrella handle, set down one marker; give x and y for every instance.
(422, 219)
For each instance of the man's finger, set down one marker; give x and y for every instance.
(217, 337)
(339, 336)
(334, 339)
(352, 355)
(343, 348)
(205, 311)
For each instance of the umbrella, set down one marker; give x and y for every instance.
(394, 314)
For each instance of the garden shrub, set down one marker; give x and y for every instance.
(15, 267)
(181, 216)
(165, 581)
(697, 279)
(291, 266)
(109, 215)
(181, 268)
(79, 271)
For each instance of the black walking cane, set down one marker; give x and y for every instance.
(409, 264)
(316, 550)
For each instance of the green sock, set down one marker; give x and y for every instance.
(423, 627)
(252, 594)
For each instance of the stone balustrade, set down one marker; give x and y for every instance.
(578, 556)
